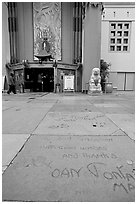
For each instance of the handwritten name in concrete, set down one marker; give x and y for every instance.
(62, 147)
(98, 148)
(89, 139)
(86, 155)
(121, 178)
(59, 147)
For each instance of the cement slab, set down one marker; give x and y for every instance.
(11, 104)
(20, 120)
(43, 100)
(11, 144)
(15, 98)
(73, 108)
(38, 105)
(71, 169)
(4, 108)
(107, 105)
(77, 123)
(120, 107)
(113, 110)
(74, 101)
(126, 123)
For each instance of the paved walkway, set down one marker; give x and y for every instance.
(68, 147)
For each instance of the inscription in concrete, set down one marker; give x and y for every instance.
(94, 123)
(72, 168)
(73, 108)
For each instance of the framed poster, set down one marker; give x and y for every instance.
(47, 28)
(69, 82)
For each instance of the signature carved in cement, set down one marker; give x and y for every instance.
(119, 176)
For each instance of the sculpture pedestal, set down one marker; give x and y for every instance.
(94, 90)
(94, 83)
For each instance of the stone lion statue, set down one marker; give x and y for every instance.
(94, 82)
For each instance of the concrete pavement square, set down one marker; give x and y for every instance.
(71, 169)
(80, 147)
(73, 108)
(11, 145)
(107, 108)
(126, 121)
(20, 120)
(77, 123)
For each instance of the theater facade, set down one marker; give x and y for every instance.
(51, 46)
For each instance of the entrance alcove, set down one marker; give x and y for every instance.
(45, 77)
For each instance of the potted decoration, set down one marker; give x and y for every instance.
(104, 73)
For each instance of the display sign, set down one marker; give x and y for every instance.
(69, 82)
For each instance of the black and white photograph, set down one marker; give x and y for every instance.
(68, 101)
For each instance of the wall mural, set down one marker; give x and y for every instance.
(47, 29)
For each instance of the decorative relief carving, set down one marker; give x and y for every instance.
(47, 28)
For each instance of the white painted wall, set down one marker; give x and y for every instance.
(121, 62)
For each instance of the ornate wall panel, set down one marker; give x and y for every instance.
(47, 28)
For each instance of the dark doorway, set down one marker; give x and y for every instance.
(43, 79)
